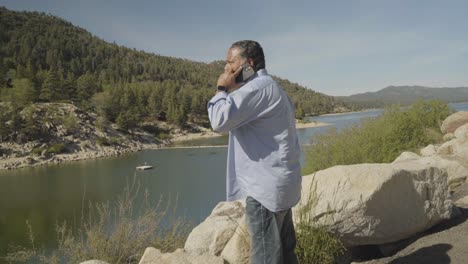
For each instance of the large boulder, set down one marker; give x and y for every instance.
(375, 203)
(212, 235)
(154, 256)
(454, 121)
(237, 250)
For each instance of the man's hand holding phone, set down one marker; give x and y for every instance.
(228, 79)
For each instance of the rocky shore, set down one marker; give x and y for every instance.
(73, 134)
(88, 142)
(84, 150)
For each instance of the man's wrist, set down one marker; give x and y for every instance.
(221, 88)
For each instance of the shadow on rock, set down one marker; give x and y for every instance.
(459, 219)
(435, 254)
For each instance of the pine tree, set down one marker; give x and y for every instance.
(86, 87)
(50, 90)
(24, 92)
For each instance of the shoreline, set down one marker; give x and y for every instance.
(32, 160)
(351, 112)
(311, 124)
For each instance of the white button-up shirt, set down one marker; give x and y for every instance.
(264, 151)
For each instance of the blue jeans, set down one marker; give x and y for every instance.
(272, 234)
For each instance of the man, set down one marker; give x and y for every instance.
(263, 154)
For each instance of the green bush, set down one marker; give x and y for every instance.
(37, 151)
(57, 148)
(70, 123)
(378, 140)
(164, 136)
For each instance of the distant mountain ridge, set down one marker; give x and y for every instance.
(406, 95)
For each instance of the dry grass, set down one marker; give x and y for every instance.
(115, 233)
(315, 244)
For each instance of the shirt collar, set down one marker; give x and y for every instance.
(262, 72)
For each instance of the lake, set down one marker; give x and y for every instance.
(196, 176)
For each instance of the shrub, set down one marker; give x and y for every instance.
(115, 141)
(102, 141)
(315, 244)
(70, 123)
(164, 136)
(378, 140)
(37, 151)
(57, 148)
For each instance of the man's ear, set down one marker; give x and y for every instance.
(251, 63)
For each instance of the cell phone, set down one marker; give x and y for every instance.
(245, 74)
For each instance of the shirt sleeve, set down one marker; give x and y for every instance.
(227, 112)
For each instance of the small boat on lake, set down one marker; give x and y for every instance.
(144, 167)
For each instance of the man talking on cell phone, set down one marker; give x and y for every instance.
(263, 154)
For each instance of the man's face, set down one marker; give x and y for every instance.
(234, 60)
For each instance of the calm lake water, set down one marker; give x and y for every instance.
(196, 176)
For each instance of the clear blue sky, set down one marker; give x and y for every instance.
(334, 47)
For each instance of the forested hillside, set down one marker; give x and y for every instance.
(44, 58)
